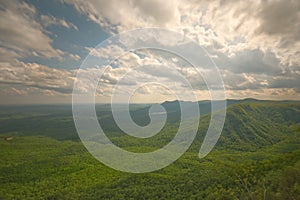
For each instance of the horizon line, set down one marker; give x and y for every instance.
(167, 101)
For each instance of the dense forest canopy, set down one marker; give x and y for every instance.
(257, 156)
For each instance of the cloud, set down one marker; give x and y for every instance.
(22, 34)
(255, 44)
(254, 61)
(248, 70)
(223, 27)
(121, 15)
(284, 81)
(34, 75)
(110, 52)
(250, 81)
(8, 55)
(158, 13)
(50, 20)
(74, 56)
(281, 18)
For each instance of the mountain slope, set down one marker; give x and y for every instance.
(250, 125)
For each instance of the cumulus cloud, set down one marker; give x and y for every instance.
(254, 61)
(121, 15)
(255, 44)
(110, 51)
(50, 20)
(74, 56)
(252, 70)
(33, 75)
(21, 33)
(226, 26)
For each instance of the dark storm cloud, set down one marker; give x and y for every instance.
(281, 18)
(253, 61)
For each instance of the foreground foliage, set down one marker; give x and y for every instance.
(43, 168)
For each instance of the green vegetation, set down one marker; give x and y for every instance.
(257, 157)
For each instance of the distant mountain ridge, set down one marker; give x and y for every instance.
(250, 123)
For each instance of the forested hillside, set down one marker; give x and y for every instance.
(257, 157)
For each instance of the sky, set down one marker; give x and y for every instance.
(254, 43)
